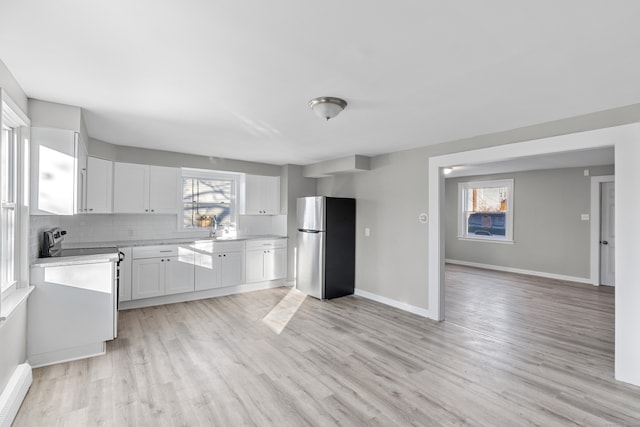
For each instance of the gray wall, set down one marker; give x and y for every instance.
(13, 331)
(548, 233)
(294, 185)
(121, 153)
(392, 262)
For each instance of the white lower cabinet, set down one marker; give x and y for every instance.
(218, 264)
(148, 278)
(178, 273)
(161, 270)
(156, 271)
(266, 260)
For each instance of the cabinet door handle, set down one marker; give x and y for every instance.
(168, 259)
(162, 260)
(146, 210)
(91, 210)
(224, 254)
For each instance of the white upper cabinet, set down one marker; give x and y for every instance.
(81, 176)
(163, 189)
(145, 189)
(99, 186)
(260, 195)
(58, 168)
(130, 188)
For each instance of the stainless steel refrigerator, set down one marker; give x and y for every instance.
(326, 255)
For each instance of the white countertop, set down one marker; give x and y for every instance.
(75, 260)
(174, 241)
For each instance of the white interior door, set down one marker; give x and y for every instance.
(607, 234)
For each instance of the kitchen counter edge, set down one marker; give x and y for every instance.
(176, 241)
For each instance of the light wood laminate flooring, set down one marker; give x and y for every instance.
(514, 350)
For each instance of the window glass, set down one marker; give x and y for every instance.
(207, 197)
(485, 210)
(8, 180)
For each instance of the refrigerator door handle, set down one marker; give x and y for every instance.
(308, 231)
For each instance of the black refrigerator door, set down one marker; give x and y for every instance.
(340, 247)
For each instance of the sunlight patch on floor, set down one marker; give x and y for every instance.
(282, 313)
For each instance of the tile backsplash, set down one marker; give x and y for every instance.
(123, 227)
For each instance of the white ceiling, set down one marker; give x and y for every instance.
(232, 79)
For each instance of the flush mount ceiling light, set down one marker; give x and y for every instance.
(327, 107)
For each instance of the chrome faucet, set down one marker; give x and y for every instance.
(214, 226)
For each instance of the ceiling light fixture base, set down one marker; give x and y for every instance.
(327, 107)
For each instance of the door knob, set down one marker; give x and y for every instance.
(604, 242)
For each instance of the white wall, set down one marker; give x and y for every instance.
(11, 85)
(53, 115)
(627, 364)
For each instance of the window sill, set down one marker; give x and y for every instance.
(486, 240)
(14, 300)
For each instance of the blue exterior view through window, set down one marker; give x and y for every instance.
(485, 210)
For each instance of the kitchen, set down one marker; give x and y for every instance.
(403, 113)
(168, 254)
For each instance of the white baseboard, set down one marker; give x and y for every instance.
(68, 354)
(393, 303)
(14, 393)
(521, 271)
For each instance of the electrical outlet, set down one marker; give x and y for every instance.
(584, 217)
(586, 172)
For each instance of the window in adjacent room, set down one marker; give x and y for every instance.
(486, 210)
(207, 194)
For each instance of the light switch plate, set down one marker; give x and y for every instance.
(367, 232)
(584, 217)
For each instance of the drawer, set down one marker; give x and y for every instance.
(218, 247)
(228, 246)
(158, 251)
(253, 245)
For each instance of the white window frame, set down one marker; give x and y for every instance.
(11, 116)
(463, 187)
(211, 174)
